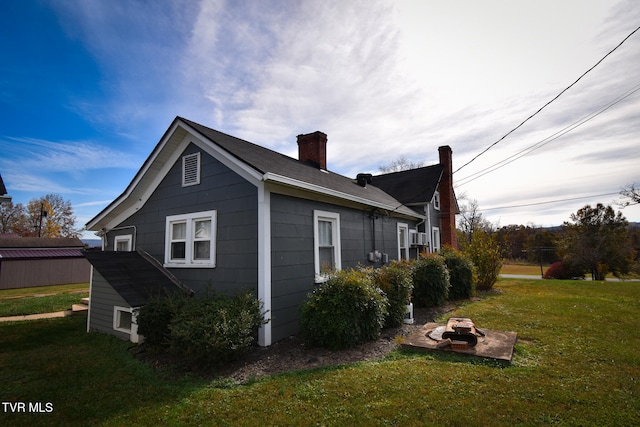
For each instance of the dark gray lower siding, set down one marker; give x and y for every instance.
(292, 240)
(103, 299)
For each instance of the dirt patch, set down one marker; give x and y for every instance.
(293, 354)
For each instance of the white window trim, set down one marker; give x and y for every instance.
(128, 238)
(435, 243)
(436, 200)
(133, 332)
(405, 227)
(185, 159)
(335, 219)
(189, 262)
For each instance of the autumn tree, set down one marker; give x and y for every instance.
(597, 240)
(12, 218)
(50, 216)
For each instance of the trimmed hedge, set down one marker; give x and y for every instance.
(430, 281)
(209, 329)
(461, 274)
(395, 281)
(346, 310)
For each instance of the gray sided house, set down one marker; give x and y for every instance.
(211, 211)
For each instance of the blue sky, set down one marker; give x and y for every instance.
(87, 89)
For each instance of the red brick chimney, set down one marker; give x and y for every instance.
(447, 199)
(312, 149)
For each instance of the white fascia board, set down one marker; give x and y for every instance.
(224, 157)
(269, 176)
(129, 202)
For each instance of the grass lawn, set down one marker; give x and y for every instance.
(577, 362)
(45, 299)
(529, 269)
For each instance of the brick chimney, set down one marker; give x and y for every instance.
(312, 149)
(447, 199)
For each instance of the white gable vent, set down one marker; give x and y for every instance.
(191, 169)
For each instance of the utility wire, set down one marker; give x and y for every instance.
(547, 202)
(547, 140)
(549, 102)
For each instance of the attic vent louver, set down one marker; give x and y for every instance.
(191, 169)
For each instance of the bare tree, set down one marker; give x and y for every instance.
(470, 219)
(630, 196)
(400, 164)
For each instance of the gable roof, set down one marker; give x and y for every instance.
(413, 186)
(256, 163)
(3, 189)
(40, 242)
(135, 275)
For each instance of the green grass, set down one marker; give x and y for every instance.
(577, 362)
(46, 299)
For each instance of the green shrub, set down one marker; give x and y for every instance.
(486, 256)
(216, 328)
(430, 281)
(154, 318)
(460, 274)
(344, 311)
(395, 281)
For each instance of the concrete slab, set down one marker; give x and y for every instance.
(494, 345)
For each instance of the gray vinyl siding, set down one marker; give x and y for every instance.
(103, 299)
(292, 244)
(236, 203)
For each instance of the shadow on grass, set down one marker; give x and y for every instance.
(82, 378)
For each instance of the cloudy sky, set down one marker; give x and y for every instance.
(88, 87)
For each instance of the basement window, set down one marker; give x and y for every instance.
(191, 169)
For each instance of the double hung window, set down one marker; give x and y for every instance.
(326, 227)
(190, 240)
(403, 241)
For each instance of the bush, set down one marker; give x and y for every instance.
(461, 274)
(209, 329)
(154, 318)
(395, 281)
(487, 259)
(217, 328)
(563, 271)
(430, 281)
(344, 311)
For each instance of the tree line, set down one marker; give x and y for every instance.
(595, 240)
(47, 216)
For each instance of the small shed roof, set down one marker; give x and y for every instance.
(40, 242)
(136, 276)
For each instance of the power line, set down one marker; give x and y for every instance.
(547, 202)
(549, 102)
(547, 140)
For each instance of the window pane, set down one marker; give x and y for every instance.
(177, 250)
(124, 320)
(178, 231)
(325, 234)
(327, 261)
(202, 229)
(201, 250)
(122, 246)
(401, 236)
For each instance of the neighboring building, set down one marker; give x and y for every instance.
(4, 198)
(210, 210)
(32, 261)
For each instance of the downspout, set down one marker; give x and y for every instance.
(428, 212)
